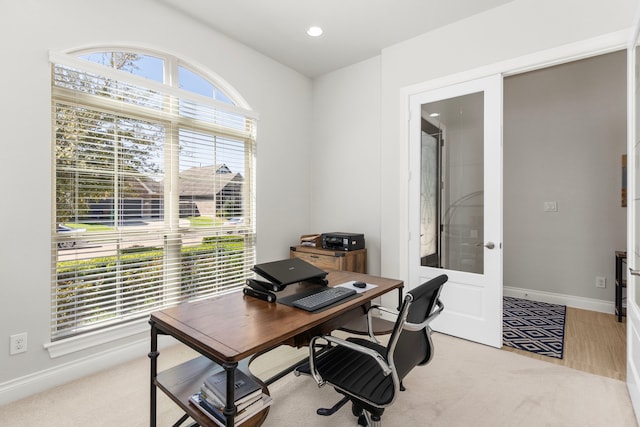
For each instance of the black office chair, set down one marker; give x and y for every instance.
(369, 374)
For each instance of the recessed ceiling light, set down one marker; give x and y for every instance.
(434, 114)
(314, 31)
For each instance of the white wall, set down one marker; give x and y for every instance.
(564, 135)
(28, 30)
(345, 162)
(486, 42)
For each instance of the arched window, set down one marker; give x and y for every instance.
(154, 173)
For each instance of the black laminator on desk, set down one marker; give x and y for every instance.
(288, 271)
(280, 274)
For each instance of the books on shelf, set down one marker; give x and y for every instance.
(216, 415)
(245, 387)
(216, 401)
(249, 398)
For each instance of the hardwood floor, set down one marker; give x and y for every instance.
(593, 342)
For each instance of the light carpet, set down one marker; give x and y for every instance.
(466, 384)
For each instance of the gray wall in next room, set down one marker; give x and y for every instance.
(564, 135)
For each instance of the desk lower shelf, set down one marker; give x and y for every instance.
(183, 380)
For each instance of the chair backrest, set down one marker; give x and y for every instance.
(408, 349)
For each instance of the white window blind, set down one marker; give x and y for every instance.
(154, 189)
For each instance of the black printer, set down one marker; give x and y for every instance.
(342, 241)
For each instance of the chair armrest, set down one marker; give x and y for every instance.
(370, 331)
(419, 326)
(386, 369)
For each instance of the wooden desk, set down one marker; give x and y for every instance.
(231, 328)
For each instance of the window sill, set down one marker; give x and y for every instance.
(94, 339)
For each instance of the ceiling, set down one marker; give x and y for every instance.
(354, 30)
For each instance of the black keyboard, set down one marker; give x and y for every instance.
(323, 298)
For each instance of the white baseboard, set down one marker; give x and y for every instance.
(40, 381)
(568, 300)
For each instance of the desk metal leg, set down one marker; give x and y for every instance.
(230, 407)
(182, 419)
(153, 355)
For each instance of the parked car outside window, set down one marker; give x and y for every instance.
(71, 239)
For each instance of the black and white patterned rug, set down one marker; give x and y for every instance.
(534, 326)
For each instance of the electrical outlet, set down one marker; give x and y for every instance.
(18, 343)
(601, 282)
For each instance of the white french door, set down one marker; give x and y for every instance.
(455, 204)
(633, 218)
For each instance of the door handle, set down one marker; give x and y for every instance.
(488, 245)
(634, 272)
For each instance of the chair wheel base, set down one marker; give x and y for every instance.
(325, 412)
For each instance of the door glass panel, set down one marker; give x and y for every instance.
(452, 182)
(430, 196)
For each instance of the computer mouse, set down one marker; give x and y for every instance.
(359, 284)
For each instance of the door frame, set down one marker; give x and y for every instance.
(596, 46)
